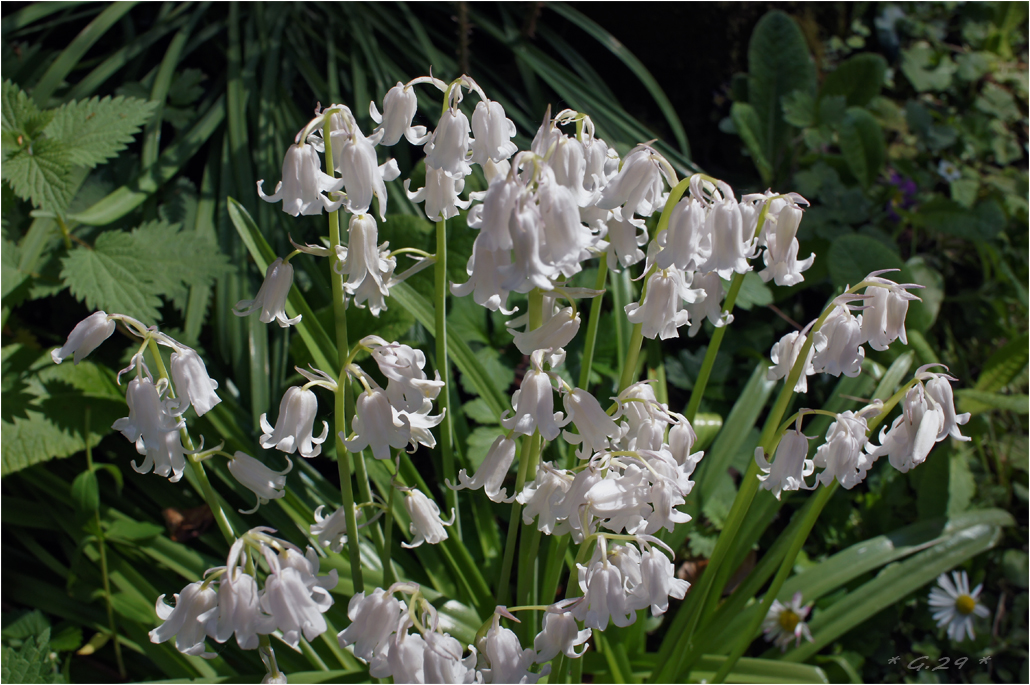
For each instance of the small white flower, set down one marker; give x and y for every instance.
(560, 633)
(239, 610)
(686, 242)
(448, 146)
(295, 598)
(557, 331)
(604, 595)
(708, 304)
(354, 157)
(378, 424)
(192, 381)
(294, 429)
(194, 617)
(330, 531)
(843, 454)
(373, 619)
(506, 661)
(271, 297)
(659, 582)
(731, 248)
(661, 312)
(948, 171)
(303, 183)
(258, 478)
(533, 403)
(781, 254)
(786, 623)
(542, 496)
(491, 473)
(528, 269)
(153, 424)
(409, 389)
(484, 269)
(403, 658)
(494, 215)
(426, 523)
(594, 424)
(637, 188)
(838, 344)
(493, 132)
(442, 662)
(85, 337)
(399, 108)
(913, 434)
(955, 606)
(566, 240)
(938, 388)
(785, 354)
(625, 238)
(440, 193)
(367, 269)
(883, 319)
(789, 467)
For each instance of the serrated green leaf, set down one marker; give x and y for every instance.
(1004, 365)
(27, 624)
(862, 144)
(852, 257)
(40, 172)
(177, 260)
(19, 114)
(31, 663)
(95, 130)
(857, 78)
(112, 277)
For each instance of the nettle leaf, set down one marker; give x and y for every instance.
(95, 130)
(129, 273)
(31, 663)
(20, 116)
(40, 172)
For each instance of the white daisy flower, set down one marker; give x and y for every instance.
(954, 605)
(785, 623)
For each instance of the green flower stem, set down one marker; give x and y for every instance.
(113, 627)
(636, 340)
(713, 351)
(341, 396)
(387, 545)
(592, 324)
(526, 581)
(786, 566)
(206, 491)
(443, 366)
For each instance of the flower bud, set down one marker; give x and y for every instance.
(85, 337)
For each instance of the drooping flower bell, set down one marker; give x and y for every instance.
(191, 380)
(843, 455)
(560, 635)
(533, 403)
(258, 478)
(637, 188)
(441, 194)
(790, 466)
(838, 344)
(363, 177)
(295, 597)
(687, 243)
(781, 254)
(731, 247)
(883, 319)
(85, 337)
(491, 472)
(377, 424)
(448, 147)
(271, 297)
(913, 434)
(399, 108)
(426, 523)
(304, 182)
(373, 619)
(785, 354)
(194, 617)
(294, 429)
(662, 313)
(493, 132)
(153, 424)
(368, 270)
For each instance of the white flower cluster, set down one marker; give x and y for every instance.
(230, 601)
(403, 640)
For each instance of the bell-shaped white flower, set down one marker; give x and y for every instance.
(426, 524)
(303, 183)
(399, 108)
(558, 331)
(239, 610)
(637, 188)
(442, 662)
(661, 313)
(85, 337)
(883, 319)
(938, 388)
(491, 473)
(594, 424)
(659, 582)
(354, 156)
(913, 434)
(484, 269)
(271, 297)
(843, 456)
(294, 429)
(403, 659)
(377, 424)
(838, 344)
(192, 382)
(448, 147)
(621, 500)
(373, 619)
(785, 354)
(506, 661)
(194, 617)
(331, 530)
(604, 596)
(367, 269)
(153, 424)
(625, 238)
(789, 467)
(295, 600)
(541, 497)
(409, 388)
(708, 304)
(533, 403)
(687, 243)
(441, 194)
(781, 254)
(731, 248)
(560, 634)
(258, 478)
(493, 132)
(420, 422)
(681, 441)
(493, 216)
(567, 241)
(528, 269)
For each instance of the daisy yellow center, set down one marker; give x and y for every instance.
(789, 620)
(965, 604)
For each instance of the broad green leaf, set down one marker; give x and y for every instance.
(706, 426)
(925, 69)
(177, 259)
(961, 484)
(778, 63)
(862, 144)
(19, 115)
(1004, 366)
(95, 130)
(40, 172)
(31, 663)
(1014, 565)
(854, 256)
(983, 222)
(922, 314)
(799, 109)
(751, 131)
(28, 624)
(858, 78)
(86, 493)
(132, 532)
(112, 277)
(754, 292)
(893, 584)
